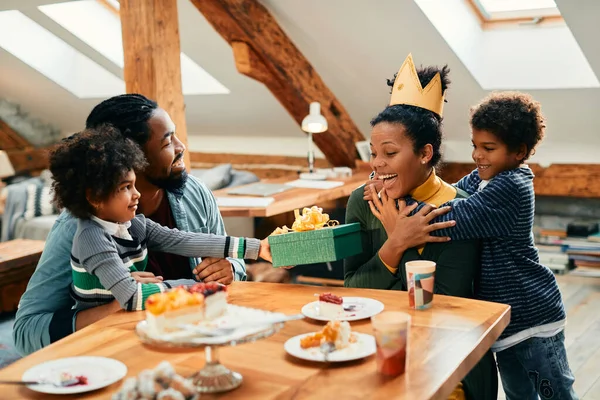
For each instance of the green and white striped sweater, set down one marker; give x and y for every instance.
(102, 264)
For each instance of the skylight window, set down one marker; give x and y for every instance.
(496, 10)
(519, 56)
(93, 23)
(58, 61)
(98, 27)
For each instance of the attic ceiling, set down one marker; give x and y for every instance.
(353, 44)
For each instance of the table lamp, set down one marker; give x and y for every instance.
(314, 122)
(6, 168)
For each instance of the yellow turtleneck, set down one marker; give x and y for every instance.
(433, 191)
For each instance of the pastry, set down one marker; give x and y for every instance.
(330, 306)
(336, 332)
(165, 312)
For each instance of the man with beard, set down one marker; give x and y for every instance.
(168, 196)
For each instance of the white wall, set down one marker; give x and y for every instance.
(454, 150)
(259, 145)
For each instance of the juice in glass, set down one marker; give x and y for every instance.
(391, 330)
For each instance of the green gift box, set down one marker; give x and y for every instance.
(311, 247)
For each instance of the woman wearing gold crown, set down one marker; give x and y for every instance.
(405, 148)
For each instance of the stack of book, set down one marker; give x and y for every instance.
(559, 251)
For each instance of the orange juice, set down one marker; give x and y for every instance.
(391, 330)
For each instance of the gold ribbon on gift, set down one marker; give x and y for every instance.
(311, 219)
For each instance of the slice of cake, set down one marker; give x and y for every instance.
(215, 298)
(330, 306)
(336, 332)
(185, 305)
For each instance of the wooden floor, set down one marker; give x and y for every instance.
(581, 295)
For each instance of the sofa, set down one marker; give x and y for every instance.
(28, 209)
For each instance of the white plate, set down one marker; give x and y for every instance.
(233, 316)
(100, 372)
(363, 347)
(364, 308)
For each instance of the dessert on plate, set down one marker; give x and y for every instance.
(330, 306)
(185, 305)
(336, 332)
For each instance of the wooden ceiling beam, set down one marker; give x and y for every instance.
(151, 48)
(29, 160)
(249, 63)
(265, 53)
(9, 139)
(21, 153)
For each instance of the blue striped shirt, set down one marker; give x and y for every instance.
(502, 215)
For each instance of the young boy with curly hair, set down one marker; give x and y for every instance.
(506, 128)
(94, 180)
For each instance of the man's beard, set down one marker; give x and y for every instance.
(173, 183)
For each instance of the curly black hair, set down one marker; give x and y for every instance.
(129, 113)
(422, 126)
(513, 117)
(93, 161)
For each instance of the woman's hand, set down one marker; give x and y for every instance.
(146, 277)
(375, 183)
(385, 209)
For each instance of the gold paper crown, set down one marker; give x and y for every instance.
(408, 90)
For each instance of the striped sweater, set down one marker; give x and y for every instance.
(502, 215)
(102, 264)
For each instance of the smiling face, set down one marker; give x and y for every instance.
(493, 156)
(164, 151)
(120, 207)
(395, 161)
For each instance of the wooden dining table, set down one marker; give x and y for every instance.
(445, 342)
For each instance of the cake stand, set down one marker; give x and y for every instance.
(214, 377)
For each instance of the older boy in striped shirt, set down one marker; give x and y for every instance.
(506, 128)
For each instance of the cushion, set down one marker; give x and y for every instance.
(39, 201)
(242, 178)
(214, 178)
(34, 229)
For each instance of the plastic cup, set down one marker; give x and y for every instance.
(420, 280)
(391, 330)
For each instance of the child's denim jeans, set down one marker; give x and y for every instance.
(537, 366)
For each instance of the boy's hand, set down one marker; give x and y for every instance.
(214, 270)
(265, 250)
(414, 231)
(146, 277)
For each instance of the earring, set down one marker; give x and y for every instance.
(423, 162)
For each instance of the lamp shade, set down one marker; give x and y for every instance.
(6, 168)
(314, 122)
